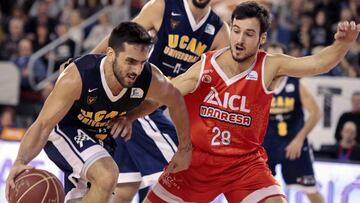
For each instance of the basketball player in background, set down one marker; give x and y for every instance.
(286, 138)
(93, 90)
(185, 29)
(228, 96)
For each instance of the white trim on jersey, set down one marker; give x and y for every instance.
(67, 152)
(165, 144)
(129, 177)
(165, 195)
(263, 193)
(191, 18)
(219, 70)
(281, 86)
(150, 179)
(302, 188)
(79, 161)
(263, 75)
(110, 95)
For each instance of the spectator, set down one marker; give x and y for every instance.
(320, 34)
(89, 8)
(278, 32)
(353, 115)
(42, 37)
(347, 148)
(302, 34)
(42, 18)
(22, 60)
(8, 49)
(75, 19)
(98, 32)
(7, 118)
(65, 50)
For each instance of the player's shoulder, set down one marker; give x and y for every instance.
(156, 5)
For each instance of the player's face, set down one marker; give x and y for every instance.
(355, 101)
(129, 63)
(245, 38)
(200, 3)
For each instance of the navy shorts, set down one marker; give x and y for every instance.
(298, 173)
(151, 147)
(73, 150)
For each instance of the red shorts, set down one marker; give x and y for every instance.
(241, 179)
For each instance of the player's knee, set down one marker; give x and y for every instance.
(105, 175)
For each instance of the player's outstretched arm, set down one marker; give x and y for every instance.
(293, 150)
(188, 81)
(67, 89)
(322, 61)
(150, 17)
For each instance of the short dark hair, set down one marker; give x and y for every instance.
(131, 33)
(251, 9)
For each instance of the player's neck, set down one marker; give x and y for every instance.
(111, 80)
(239, 67)
(198, 13)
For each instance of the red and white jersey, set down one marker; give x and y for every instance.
(229, 116)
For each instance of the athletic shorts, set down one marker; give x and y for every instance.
(73, 150)
(299, 173)
(151, 147)
(244, 179)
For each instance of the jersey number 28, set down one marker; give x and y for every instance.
(220, 137)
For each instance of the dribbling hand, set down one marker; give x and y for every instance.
(16, 169)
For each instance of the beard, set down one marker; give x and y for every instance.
(119, 77)
(200, 5)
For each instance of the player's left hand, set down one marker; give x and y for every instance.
(181, 160)
(347, 32)
(293, 150)
(121, 126)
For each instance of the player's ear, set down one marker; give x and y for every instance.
(110, 53)
(263, 38)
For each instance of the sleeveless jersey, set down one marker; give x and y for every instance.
(286, 113)
(229, 117)
(97, 105)
(180, 40)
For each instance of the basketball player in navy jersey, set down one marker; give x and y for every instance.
(91, 92)
(286, 137)
(185, 29)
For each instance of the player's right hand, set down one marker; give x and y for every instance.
(16, 169)
(181, 159)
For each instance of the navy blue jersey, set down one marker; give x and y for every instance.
(286, 113)
(97, 105)
(180, 40)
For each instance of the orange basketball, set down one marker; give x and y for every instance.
(35, 186)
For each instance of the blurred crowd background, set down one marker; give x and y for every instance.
(39, 35)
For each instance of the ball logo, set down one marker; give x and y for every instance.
(206, 78)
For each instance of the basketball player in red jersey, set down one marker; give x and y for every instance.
(228, 97)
